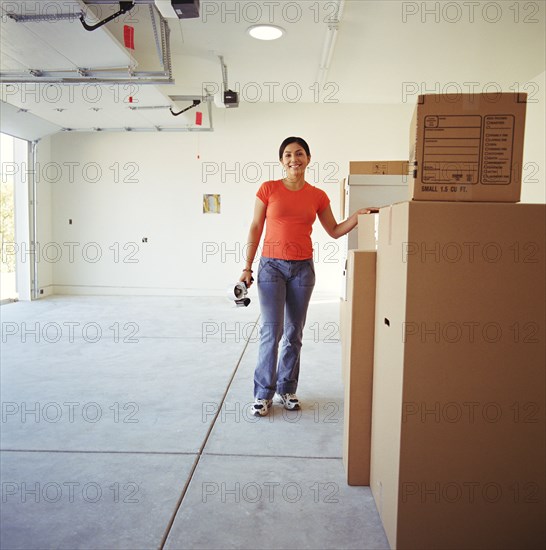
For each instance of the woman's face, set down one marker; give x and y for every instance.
(294, 160)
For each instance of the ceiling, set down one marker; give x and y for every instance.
(385, 52)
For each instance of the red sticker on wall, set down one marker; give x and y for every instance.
(198, 118)
(129, 36)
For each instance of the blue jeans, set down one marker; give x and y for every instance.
(284, 289)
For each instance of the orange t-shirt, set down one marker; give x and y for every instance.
(289, 219)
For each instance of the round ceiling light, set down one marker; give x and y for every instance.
(265, 32)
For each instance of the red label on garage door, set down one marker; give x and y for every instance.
(129, 36)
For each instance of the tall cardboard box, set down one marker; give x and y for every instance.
(458, 421)
(468, 147)
(342, 198)
(357, 360)
(367, 232)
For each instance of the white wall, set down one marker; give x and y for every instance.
(120, 188)
(159, 191)
(534, 158)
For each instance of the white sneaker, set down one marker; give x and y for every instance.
(289, 400)
(260, 407)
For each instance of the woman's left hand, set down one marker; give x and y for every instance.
(369, 210)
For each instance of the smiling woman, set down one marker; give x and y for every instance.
(286, 275)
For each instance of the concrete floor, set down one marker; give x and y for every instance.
(125, 424)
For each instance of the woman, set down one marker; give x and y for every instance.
(286, 274)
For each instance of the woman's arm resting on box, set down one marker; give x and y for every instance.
(336, 230)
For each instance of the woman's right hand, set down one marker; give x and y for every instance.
(247, 278)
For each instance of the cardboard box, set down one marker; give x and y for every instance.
(342, 199)
(383, 167)
(458, 447)
(365, 190)
(468, 147)
(357, 349)
(367, 231)
(343, 335)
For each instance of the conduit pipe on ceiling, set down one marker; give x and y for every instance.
(329, 44)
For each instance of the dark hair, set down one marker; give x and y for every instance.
(298, 140)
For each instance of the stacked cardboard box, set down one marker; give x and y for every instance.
(373, 181)
(367, 231)
(362, 189)
(458, 450)
(468, 147)
(380, 167)
(357, 321)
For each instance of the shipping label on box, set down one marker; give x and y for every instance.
(468, 148)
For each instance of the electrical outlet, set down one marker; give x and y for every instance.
(144, 239)
(70, 221)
